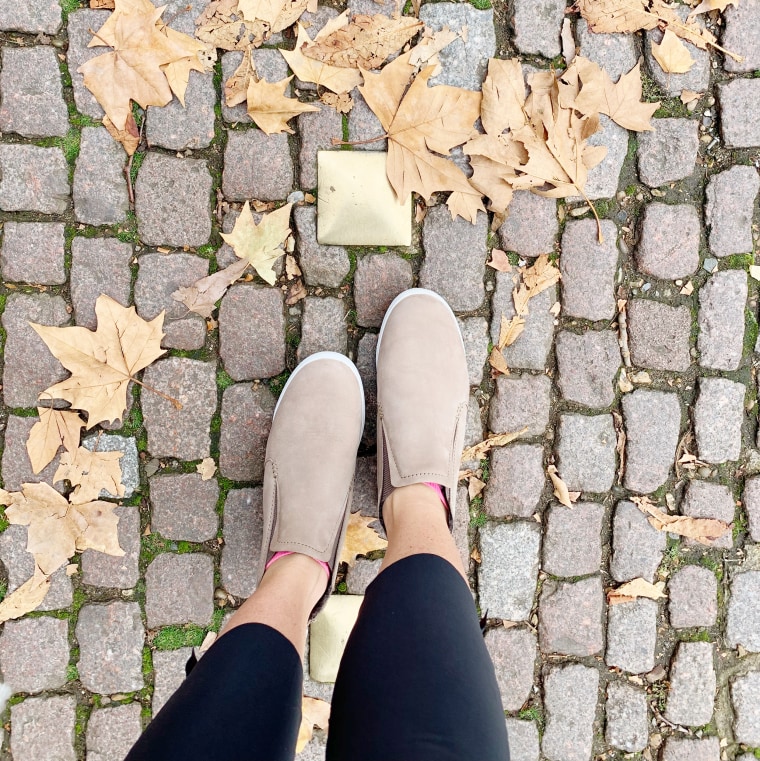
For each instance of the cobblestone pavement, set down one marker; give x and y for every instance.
(675, 679)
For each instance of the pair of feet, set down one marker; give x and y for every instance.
(422, 395)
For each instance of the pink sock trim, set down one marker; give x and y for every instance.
(439, 489)
(278, 555)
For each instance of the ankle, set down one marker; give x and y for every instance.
(412, 503)
(297, 576)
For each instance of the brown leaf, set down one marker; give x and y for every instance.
(206, 467)
(341, 103)
(360, 539)
(103, 4)
(263, 10)
(129, 137)
(561, 492)
(474, 487)
(497, 361)
(510, 330)
(687, 96)
(296, 292)
(270, 109)
(478, 451)
(499, 261)
(672, 55)
(314, 713)
(475, 555)
(636, 588)
(54, 429)
(291, 267)
(702, 530)
(430, 44)
(26, 598)
(90, 472)
(236, 87)
(712, 5)
(201, 297)
(223, 26)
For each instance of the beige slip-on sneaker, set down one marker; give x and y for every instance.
(310, 461)
(422, 395)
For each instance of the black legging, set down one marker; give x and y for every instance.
(416, 683)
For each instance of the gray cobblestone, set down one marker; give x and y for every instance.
(32, 252)
(110, 639)
(632, 635)
(36, 16)
(252, 332)
(323, 326)
(100, 188)
(586, 452)
(520, 402)
(184, 433)
(752, 506)
(455, 258)
(745, 696)
(570, 617)
(246, 419)
(257, 165)
(570, 698)
(364, 125)
(33, 179)
(572, 542)
(718, 417)
(158, 277)
(743, 624)
(168, 674)
(523, 740)
(179, 589)
(42, 729)
(626, 712)
(365, 364)
(361, 575)
(378, 280)
(741, 33)
(508, 572)
(537, 27)
(270, 65)
(637, 547)
(78, 26)
(184, 506)
(588, 270)
(676, 749)
(729, 208)
(516, 481)
(365, 487)
(513, 652)
(172, 201)
(692, 685)
(604, 178)
(659, 335)
(111, 732)
(243, 528)
(474, 332)
(532, 225)
(16, 467)
(722, 300)
(669, 247)
(317, 130)
(738, 125)
(32, 96)
(615, 53)
(29, 366)
(707, 500)
(693, 597)
(101, 570)
(34, 653)
(588, 364)
(669, 152)
(321, 265)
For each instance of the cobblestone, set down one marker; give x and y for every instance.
(669, 247)
(741, 33)
(745, 696)
(111, 732)
(32, 252)
(669, 152)
(184, 506)
(257, 165)
(184, 433)
(35, 16)
(572, 542)
(751, 505)
(514, 654)
(168, 674)
(722, 300)
(365, 487)
(323, 326)
(588, 364)
(270, 65)
(361, 575)
(738, 126)
(243, 528)
(588, 270)
(570, 697)
(321, 265)
(586, 452)
(707, 500)
(252, 332)
(521, 402)
(508, 572)
(79, 23)
(179, 589)
(246, 419)
(33, 179)
(632, 635)
(317, 130)
(603, 179)
(626, 712)
(455, 257)
(693, 597)
(378, 280)
(31, 92)
(570, 617)
(179, 127)
(130, 473)
(692, 685)
(110, 639)
(34, 654)
(523, 740)
(516, 481)
(615, 53)
(729, 208)
(365, 364)
(532, 225)
(659, 335)
(101, 570)
(718, 416)
(743, 623)
(474, 331)
(100, 189)
(43, 729)
(537, 27)
(707, 749)
(637, 547)
(172, 201)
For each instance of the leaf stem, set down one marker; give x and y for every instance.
(176, 403)
(335, 140)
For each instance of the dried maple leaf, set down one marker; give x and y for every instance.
(129, 137)
(360, 539)
(510, 330)
(207, 468)
(478, 451)
(270, 109)
(637, 588)
(499, 261)
(341, 103)
(314, 713)
(365, 42)
(712, 5)
(296, 292)
(497, 362)
(102, 4)
(222, 25)
(702, 530)
(201, 297)
(189, 55)
(561, 492)
(104, 361)
(90, 472)
(263, 10)
(26, 598)
(54, 429)
(236, 86)
(672, 55)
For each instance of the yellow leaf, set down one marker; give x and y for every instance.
(672, 55)
(478, 451)
(636, 588)
(270, 108)
(90, 472)
(360, 539)
(26, 598)
(314, 713)
(54, 429)
(207, 468)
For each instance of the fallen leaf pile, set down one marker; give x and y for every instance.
(702, 530)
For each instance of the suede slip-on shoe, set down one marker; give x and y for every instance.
(310, 461)
(422, 395)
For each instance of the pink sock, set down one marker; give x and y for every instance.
(439, 489)
(278, 555)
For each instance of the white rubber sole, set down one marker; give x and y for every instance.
(324, 356)
(405, 295)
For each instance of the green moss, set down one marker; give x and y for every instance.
(345, 135)
(604, 207)
(342, 587)
(69, 6)
(701, 635)
(534, 713)
(206, 251)
(216, 423)
(740, 524)
(174, 637)
(82, 716)
(750, 331)
(671, 107)
(277, 383)
(708, 561)
(153, 544)
(82, 120)
(485, 466)
(737, 262)
(147, 661)
(481, 5)
(137, 160)
(478, 517)
(3, 585)
(631, 190)
(650, 89)
(72, 673)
